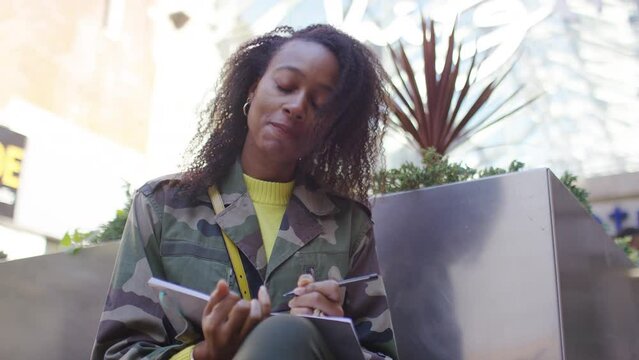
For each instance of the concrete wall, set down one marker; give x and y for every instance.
(51, 304)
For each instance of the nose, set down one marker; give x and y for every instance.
(295, 107)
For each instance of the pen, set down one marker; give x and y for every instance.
(345, 282)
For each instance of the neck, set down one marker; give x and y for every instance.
(260, 168)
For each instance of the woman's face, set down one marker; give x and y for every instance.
(299, 79)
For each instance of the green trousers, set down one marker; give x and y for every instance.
(284, 337)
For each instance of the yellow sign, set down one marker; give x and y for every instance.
(10, 162)
(11, 155)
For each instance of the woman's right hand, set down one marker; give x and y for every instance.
(227, 320)
(316, 298)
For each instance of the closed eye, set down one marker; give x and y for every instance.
(284, 90)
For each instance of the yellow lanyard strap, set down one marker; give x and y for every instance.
(234, 253)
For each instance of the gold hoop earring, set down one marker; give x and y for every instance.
(245, 108)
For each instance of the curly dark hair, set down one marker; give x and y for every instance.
(344, 161)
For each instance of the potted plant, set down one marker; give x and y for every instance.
(430, 107)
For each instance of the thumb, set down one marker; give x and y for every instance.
(304, 280)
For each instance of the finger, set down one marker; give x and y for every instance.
(301, 311)
(264, 300)
(220, 292)
(304, 280)
(328, 288)
(237, 317)
(253, 318)
(213, 321)
(316, 300)
(220, 312)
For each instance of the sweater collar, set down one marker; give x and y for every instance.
(316, 201)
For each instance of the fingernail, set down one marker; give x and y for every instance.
(299, 291)
(255, 309)
(242, 302)
(262, 294)
(305, 279)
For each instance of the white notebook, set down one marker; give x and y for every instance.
(191, 303)
(338, 332)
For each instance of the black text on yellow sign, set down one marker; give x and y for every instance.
(10, 162)
(12, 152)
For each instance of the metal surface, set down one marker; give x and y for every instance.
(599, 301)
(472, 271)
(51, 304)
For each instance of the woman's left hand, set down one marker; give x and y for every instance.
(311, 297)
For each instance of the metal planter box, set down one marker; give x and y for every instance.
(508, 267)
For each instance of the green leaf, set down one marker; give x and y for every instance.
(625, 244)
(515, 166)
(66, 240)
(109, 231)
(76, 237)
(569, 180)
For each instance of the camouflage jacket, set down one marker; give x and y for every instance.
(170, 238)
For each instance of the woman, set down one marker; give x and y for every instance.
(290, 141)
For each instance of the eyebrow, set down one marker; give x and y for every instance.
(300, 73)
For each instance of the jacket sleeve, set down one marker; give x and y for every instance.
(366, 303)
(133, 324)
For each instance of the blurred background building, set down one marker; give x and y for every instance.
(104, 93)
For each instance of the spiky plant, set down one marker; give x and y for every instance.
(436, 120)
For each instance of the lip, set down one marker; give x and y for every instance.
(283, 128)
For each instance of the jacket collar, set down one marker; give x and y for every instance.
(316, 201)
(299, 225)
